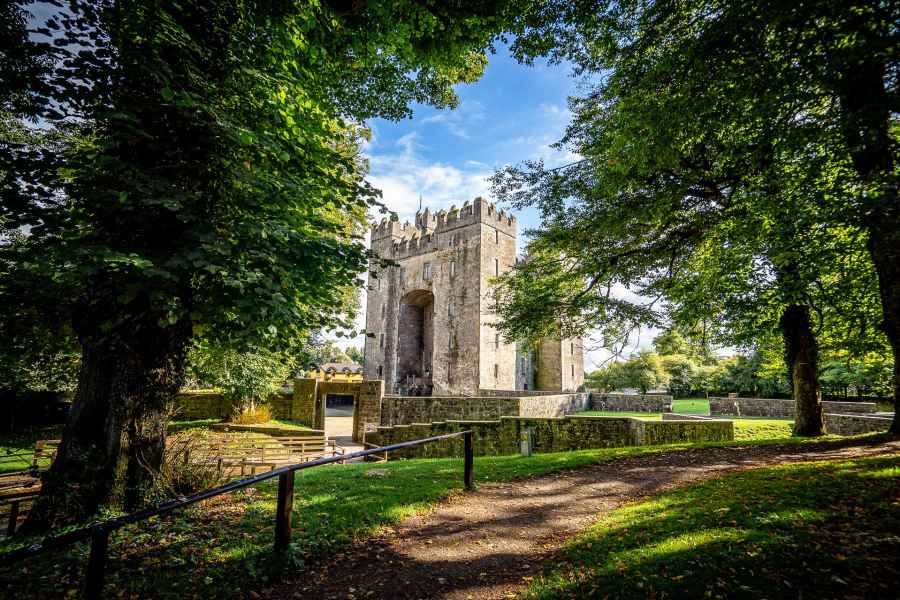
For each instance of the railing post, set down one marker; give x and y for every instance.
(469, 461)
(13, 518)
(284, 510)
(96, 567)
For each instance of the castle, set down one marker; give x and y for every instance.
(428, 322)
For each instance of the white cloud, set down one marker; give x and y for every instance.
(459, 121)
(405, 174)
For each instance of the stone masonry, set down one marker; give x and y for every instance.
(428, 322)
(772, 407)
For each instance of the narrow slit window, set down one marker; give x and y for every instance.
(496, 266)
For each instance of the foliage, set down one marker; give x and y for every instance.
(644, 371)
(780, 532)
(243, 377)
(356, 355)
(253, 416)
(190, 466)
(191, 171)
(737, 159)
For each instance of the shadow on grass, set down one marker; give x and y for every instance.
(822, 530)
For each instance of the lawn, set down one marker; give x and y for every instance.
(823, 530)
(225, 545)
(17, 450)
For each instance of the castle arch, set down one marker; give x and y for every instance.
(416, 342)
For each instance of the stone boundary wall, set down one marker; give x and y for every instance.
(206, 404)
(267, 429)
(651, 403)
(402, 410)
(855, 424)
(684, 417)
(519, 393)
(557, 405)
(771, 407)
(200, 404)
(502, 436)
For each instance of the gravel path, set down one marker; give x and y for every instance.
(482, 544)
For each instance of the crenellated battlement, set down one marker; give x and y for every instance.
(408, 239)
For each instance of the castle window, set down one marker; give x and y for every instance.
(496, 370)
(497, 341)
(450, 309)
(497, 236)
(452, 268)
(572, 348)
(496, 266)
(573, 371)
(426, 271)
(380, 370)
(383, 306)
(381, 341)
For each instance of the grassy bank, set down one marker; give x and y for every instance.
(823, 530)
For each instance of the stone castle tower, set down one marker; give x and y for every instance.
(428, 314)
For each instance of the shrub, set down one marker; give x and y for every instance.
(190, 465)
(254, 416)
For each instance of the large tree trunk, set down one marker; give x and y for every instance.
(866, 111)
(114, 440)
(801, 357)
(884, 246)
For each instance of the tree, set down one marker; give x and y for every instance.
(814, 81)
(681, 374)
(214, 144)
(356, 355)
(245, 378)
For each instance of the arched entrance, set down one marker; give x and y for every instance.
(416, 343)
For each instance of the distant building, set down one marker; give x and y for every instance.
(429, 326)
(337, 372)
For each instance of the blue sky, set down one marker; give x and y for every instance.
(513, 113)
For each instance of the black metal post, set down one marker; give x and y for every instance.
(284, 510)
(13, 518)
(469, 461)
(96, 567)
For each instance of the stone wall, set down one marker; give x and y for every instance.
(281, 406)
(501, 437)
(855, 424)
(305, 401)
(556, 405)
(200, 404)
(684, 417)
(404, 410)
(650, 403)
(770, 407)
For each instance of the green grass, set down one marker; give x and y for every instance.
(17, 449)
(691, 406)
(762, 428)
(224, 546)
(822, 530)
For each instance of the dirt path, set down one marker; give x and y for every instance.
(480, 545)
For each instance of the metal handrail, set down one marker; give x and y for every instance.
(99, 532)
